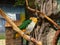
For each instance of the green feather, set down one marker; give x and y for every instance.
(25, 24)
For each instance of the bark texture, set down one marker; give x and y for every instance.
(44, 32)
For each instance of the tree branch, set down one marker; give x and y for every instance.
(55, 39)
(49, 19)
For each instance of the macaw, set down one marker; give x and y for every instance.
(27, 26)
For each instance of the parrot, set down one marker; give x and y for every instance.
(27, 26)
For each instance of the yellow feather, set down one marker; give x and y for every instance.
(18, 35)
(34, 19)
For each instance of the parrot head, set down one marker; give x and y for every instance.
(34, 19)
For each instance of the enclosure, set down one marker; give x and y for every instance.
(46, 30)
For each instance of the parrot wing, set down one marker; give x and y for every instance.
(25, 24)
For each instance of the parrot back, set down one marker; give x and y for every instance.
(25, 24)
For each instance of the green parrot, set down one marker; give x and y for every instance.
(27, 26)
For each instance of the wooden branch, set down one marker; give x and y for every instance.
(17, 29)
(55, 39)
(26, 3)
(49, 19)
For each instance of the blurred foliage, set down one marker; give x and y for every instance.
(22, 2)
(19, 2)
(2, 35)
(31, 3)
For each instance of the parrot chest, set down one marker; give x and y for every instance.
(30, 27)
